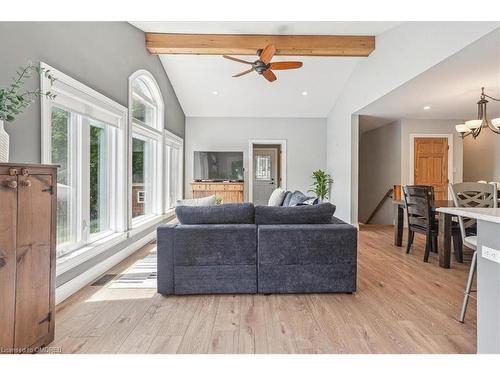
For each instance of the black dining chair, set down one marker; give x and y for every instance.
(421, 219)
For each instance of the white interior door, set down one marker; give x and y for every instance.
(265, 174)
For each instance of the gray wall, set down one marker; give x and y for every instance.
(482, 157)
(306, 143)
(379, 170)
(102, 55)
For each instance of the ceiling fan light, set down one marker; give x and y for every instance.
(462, 128)
(496, 122)
(473, 124)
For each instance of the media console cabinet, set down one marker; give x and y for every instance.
(230, 192)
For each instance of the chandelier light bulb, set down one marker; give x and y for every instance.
(496, 122)
(462, 128)
(473, 124)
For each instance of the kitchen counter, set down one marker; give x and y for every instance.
(488, 275)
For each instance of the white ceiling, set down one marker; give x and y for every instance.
(450, 88)
(195, 78)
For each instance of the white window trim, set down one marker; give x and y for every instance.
(77, 97)
(170, 139)
(156, 134)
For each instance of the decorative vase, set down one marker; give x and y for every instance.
(4, 144)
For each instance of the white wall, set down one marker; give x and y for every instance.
(306, 143)
(400, 55)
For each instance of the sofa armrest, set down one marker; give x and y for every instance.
(165, 254)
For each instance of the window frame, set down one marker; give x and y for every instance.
(153, 134)
(83, 103)
(172, 140)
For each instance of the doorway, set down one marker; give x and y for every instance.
(431, 164)
(266, 170)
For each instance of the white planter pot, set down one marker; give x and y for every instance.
(4, 144)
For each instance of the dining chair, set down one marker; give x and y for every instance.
(471, 194)
(418, 204)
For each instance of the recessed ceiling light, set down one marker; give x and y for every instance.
(427, 107)
(215, 92)
(304, 93)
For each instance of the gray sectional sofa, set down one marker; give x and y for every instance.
(239, 248)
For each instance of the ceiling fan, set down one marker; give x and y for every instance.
(263, 65)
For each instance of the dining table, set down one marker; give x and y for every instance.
(444, 235)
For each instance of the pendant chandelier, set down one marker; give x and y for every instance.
(473, 127)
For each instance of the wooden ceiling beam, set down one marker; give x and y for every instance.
(244, 44)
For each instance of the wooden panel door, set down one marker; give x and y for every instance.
(431, 165)
(33, 279)
(8, 203)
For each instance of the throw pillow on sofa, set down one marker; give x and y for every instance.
(317, 214)
(277, 197)
(286, 201)
(298, 197)
(205, 201)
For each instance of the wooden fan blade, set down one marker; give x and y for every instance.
(243, 73)
(267, 53)
(269, 75)
(282, 65)
(237, 60)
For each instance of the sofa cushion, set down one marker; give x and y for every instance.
(277, 197)
(286, 201)
(205, 201)
(297, 198)
(232, 213)
(316, 214)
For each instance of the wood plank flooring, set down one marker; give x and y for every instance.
(402, 306)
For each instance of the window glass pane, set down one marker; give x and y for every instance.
(141, 88)
(99, 216)
(62, 152)
(143, 112)
(141, 177)
(262, 167)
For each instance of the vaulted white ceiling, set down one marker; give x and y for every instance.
(450, 88)
(196, 78)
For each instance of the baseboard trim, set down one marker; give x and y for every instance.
(66, 290)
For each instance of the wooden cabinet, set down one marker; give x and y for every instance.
(230, 192)
(27, 256)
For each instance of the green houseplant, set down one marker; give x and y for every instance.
(321, 184)
(14, 99)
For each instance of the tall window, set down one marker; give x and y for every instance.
(84, 132)
(146, 118)
(173, 169)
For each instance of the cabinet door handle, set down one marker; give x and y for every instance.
(26, 183)
(25, 172)
(13, 172)
(11, 184)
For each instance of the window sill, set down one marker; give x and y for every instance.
(77, 257)
(148, 221)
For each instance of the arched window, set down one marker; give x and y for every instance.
(146, 130)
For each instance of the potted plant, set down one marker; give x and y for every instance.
(321, 184)
(14, 100)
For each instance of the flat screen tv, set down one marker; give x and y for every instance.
(218, 166)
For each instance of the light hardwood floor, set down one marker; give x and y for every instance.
(402, 306)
